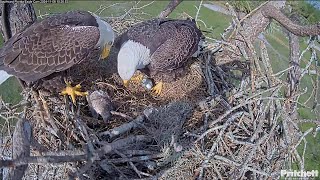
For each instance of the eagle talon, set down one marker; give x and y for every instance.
(138, 78)
(157, 89)
(73, 92)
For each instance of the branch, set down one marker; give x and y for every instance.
(21, 146)
(270, 11)
(42, 160)
(168, 10)
(123, 128)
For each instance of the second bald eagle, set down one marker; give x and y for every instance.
(160, 47)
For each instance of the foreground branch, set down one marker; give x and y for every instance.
(42, 160)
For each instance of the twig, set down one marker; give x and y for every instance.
(123, 128)
(198, 10)
(136, 159)
(121, 143)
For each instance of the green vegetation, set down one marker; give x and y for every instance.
(10, 91)
(312, 157)
(309, 14)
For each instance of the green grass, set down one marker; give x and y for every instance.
(10, 91)
(312, 157)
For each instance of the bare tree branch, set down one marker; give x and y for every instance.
(270, 11)
(168, 10)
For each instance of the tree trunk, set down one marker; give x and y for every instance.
(15, 17)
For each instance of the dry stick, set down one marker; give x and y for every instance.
(101, 9)
(315, 121)
(210, 154)
(42, 160)
(228, 161)
(170, 7)
(244, 18)
(259, 142)
(134, 8)
(312, 58)
(253, 61)
(121, 114)
(46, 109)
(109, 147)
(230, 111)
(267, 64)
(123, 128)
(301, 138)
(212, 88)
(198, 10)
(311, 94)
(40, 111)
(21, 141)
(136, 159)
(213, 147)
(217, 171)
(85, 135)
(133, 166)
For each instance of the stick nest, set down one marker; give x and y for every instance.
(205, 124)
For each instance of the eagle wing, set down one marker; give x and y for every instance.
(51, 45)
(175, 51)
(152, 33)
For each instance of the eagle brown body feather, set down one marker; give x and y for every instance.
(171, 43)
(51, 46)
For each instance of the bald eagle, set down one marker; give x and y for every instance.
(50, 46)
(157, 47)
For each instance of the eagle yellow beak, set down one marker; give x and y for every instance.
(105, 51)
(125, 83)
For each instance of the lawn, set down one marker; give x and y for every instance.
(279, 53)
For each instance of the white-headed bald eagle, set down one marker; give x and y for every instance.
(52, 45)
(160, 46)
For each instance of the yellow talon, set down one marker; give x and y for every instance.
(138, 78)
(157, 88)
(73, 92)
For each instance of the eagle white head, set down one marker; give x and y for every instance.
(132, 56)
(107, 36)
